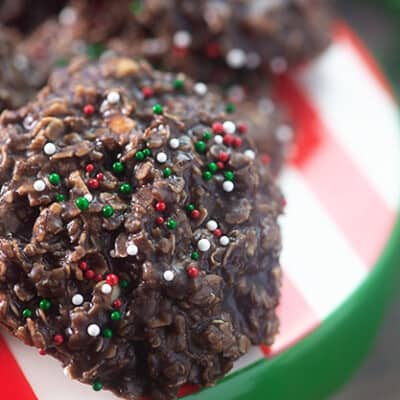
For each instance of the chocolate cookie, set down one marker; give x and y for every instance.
(139, 242)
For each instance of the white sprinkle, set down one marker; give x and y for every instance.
(229, 127)
(67, 16)
(113, 97)
(212, 225)
(284, 133)
(200, 88)
(106, 288)
(174, 143)
(278, 65)
(39, 185)
(250, 154)
(132, 249)
(161, 157)
(93, 330)
(224, 240)
(218, 139)
(236, 58)
(182, 39)
(228, 186)
(88, 196)
(169, 275)
(253, 60)
(203, 245)
(21, 62)
(77, 299)
(49, 148)
(29, 122)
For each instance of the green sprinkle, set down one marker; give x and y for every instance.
(95, 50)
(60, 197)
(212, 167)
(207, 135)
(125, 188)
(230, 108)
(123, 284)
(97, 386)
(45, 304)
(139, 156)
(136, 6)
(54, 178)
(179, 84)
(82, 203)
(108, 333)
(229, 175)
(167, 172)
(108, 211)
(171, 224)
(195, 256)
(200, 146)
(207, 175)
(61, 62)
(115, 316)
(118, 167)
(158, 109)
(27, 313)
(190, 207)
(147, 152)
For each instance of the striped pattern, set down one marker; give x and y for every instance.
(342, 204)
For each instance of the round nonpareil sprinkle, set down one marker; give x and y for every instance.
(169, 275)
(200, 88)
(174, 143)
(218, 139)
(82, 203)
(26, 313)
(113, 97)
(49, 149)
(236, 58)
(116, 316)
(39, 185)
(118, 167)
(161, 157)
(108, 211)
(203, 245)
(93, 330)
(106, 288)
(171, 224)
(97, 386)
(58, 340)
(107, 333)
(229, 127)
(45, 304)
(212, 225)
(77, 299)
(228, 186)
(158, 109)
(192, 272)
(132, 249)
(250, 154)
(112, 279)
(224, 240)
(93, 183)
(167, 172)
(182, 39)
(160, 206)
(195, 255)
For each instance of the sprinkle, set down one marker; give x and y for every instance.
(158, 109)
(207, 175)
(82, 203)
(203, 245)
(108, 211)
(88, 197)
(217, 128)
(213, 50)
(218, 139)
(236, 58)
(42, 352)
(139, 156)
(106, 288)
(193, 272)
(112, 279)
(167, 172)
(224, 240)
(125, 188)
(97, 386)
(39, 185)
(83, 265)
(58, 340)
(45, 304)
(237, 142)
(160, 206)
(132, 249)
(200, 88)
(220, 165)
(160, 221)
(60, 197)
(67, 16)
(195, 214)
(200, 146)
(217, 232)
(242, 128)
(228, 139)
(250, 154)
(116, 316)
(100, 176)
(171, 224)
(284, 133)
(212, 167)
(88, 109)
(161, 157)
(98, 278)
(229, 175)
(182, 39)
(118, 167)
(230, 108)
(89, 274)
(179, 84)
(93, 330)
(49, 148)
(93, 183)
(190, 207)
(228, 186)
(265, 159)
(77, 299)
(147, 92)
(27, 313)
(212, 225)
(174, 143)
(195, 255)
(89, 168)
(123, 283)
(117, 303)
(113, 97)
(147, 152)
(223, 156)
(207, 135)
(229, 127)
(107, 333)
(169, 275)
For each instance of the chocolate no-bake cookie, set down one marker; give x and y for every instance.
(139, 242)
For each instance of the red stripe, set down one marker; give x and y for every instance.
(346, 194)
(14, 385)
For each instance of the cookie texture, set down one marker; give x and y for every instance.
(139, 242)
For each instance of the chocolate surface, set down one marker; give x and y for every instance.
(139, 242)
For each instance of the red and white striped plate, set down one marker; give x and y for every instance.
(342, 187)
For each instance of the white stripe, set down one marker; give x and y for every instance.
(360, 113)
(253, 355)
(317, 257)
(46, 376)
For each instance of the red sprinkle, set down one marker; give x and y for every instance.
(193, 271)
(98, 278)
(220, 165)
(180, 52)
(217, 232)
(228, 139)
(242, 128)
(112, 279)
(83, 265)
(89, 168)
(265, 159)
(88, 109)
(147, 92)
(195, 214)
(218, 128)
(93, 183)
(160, 220)
(42, 352)
(223, 156)
(58, 340)
(100, 176)
(213, 50)
(161, 206)
(117, 303)
(237, 142)
(89, 274)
